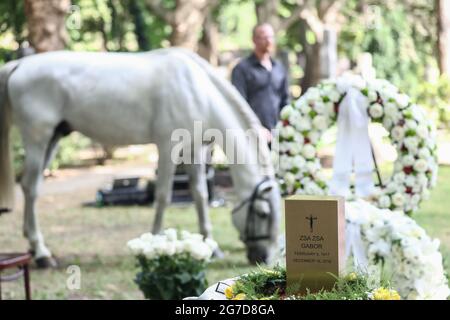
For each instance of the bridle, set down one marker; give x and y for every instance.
(251, 234)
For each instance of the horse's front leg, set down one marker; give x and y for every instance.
(31, 180)
(164, 183)
(199, 191)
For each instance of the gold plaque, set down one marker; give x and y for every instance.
(315, 241)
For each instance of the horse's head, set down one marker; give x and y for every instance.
(257, 219)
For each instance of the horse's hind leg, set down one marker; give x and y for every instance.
(36, 154)
(164, 183)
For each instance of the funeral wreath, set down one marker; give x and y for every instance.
(304, 121)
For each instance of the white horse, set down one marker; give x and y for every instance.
(121, 99)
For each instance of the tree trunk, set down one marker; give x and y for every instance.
(46, 23)
(187, 23)
(312, 69)
(209, 43)
(443, 12)
(186, 19)
(267, 12)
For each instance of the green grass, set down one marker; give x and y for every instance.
(95, 239)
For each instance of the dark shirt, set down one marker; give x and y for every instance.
(265, 91)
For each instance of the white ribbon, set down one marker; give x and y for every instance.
(353, 147)
(354, 246)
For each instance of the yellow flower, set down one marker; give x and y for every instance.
(352, 276)
(229, 292)
(240, 296)
(385, 294)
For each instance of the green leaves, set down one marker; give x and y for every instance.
(171, 278)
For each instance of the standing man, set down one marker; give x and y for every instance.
(261, 80)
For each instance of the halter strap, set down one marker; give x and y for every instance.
(250, 227)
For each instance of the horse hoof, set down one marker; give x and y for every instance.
(46, 263)
(218, 254)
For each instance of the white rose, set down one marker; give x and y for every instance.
(403, 100)
(398, 199)
(422, 131)
(410, 181)
(298, 162)
(135, 246)
(319, 107)
(400, 176)
(313, 94)
(309, 152)
(285, 163)
(422, 180)
(289, 178)
(171, 234)
(398, 133)
(421, 165)
(380, 247)
(305, 110)
(416, 188)
(391, 110)
(388, 123)
(415, 199)
(411, 124)
(286, 112)
(295, 148)
(411, 143)
(385, 202)
(400, 188)
(311, 167)
(334, 95)
(417, 113)
(170, 248)
(391, 187)
(149, 252)
(303, 124)
(376, 111)
(424, 153)
(298, 138)
(287, 132)
(320, 176)
(320, 122)
(408, 160)
(311, 188)
(146, 237)
(314, 137)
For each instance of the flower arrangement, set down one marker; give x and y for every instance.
(304, 121)
(172, 265)
(397, 245)
(265, 284)
(394, 245)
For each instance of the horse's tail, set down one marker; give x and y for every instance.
(6, 169)
(234, 98)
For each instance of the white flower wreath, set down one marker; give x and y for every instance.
(304, 121)
(398, 245)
